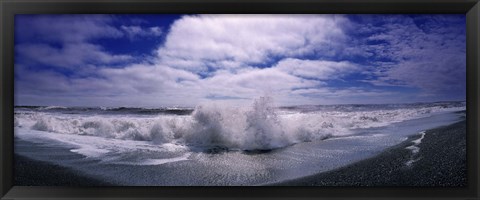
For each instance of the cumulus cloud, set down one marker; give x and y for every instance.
(233, 58)
(202, 42)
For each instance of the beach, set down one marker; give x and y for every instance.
(30, 172)
(300, 146)
(442, 162)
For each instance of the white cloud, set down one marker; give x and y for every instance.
(219, 42)
(71, 55)
(40, 83)
(198, 43)
(253, 82)
(137, 31)
(140, 84)
(428, 55)
(66, 41)
(318, 69)
(236, 58)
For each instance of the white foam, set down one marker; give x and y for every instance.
(90, 152)
(158, 161)
(107, 149)
(415, 149)
(52, 107)
(260, 126)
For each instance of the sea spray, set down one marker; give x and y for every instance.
(254, 128)
(259, 126)
(214, 126)
(264, 129)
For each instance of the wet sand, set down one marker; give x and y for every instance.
(441, 161)
(29, 172)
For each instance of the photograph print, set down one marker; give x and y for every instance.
(240, 100)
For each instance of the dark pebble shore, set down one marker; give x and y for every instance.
(29, 172)
(442, 162)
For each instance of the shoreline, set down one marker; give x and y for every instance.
(440, 161)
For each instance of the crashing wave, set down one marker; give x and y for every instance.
(258, 127)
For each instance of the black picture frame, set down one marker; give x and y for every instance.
(8, 8)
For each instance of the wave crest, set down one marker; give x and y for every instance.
(258, 127)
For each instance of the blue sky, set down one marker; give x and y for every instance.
(167, 60)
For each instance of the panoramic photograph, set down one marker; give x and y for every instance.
(240, 100)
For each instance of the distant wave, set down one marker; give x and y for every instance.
(371, 107)
(260, 126)
(106, 110)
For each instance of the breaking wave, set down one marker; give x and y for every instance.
(258, 127)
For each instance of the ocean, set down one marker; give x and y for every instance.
(217, 145)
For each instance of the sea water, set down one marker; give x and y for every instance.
(214, 144)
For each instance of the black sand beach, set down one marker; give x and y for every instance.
(29, 172)
(442, 162)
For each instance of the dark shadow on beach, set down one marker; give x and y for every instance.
(30, 172)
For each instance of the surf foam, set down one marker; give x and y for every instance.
(261, 126)
(415, 149)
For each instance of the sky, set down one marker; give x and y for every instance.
(185, 60)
